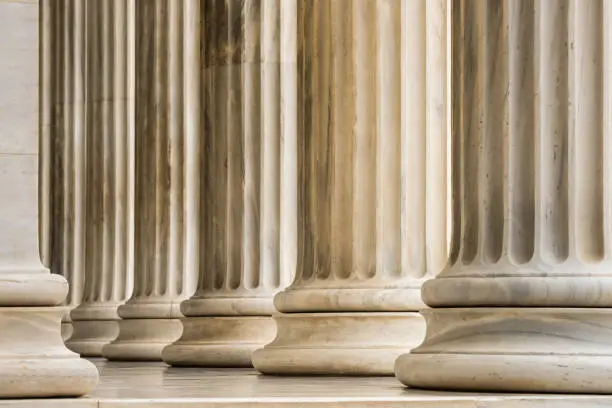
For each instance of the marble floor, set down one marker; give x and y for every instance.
(140, 385)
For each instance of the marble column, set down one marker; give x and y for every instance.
(166, 200)
(35, 362)
(371, 186)
(524, 304)
(62, 155)
(248, 187)
(108, 216)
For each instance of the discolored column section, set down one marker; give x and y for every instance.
(371, 185)
(34, 360)
(166, 184)
(524, 304)
(108, 278)
(62, 150)
(248, 181)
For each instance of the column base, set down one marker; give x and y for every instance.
(34, 361)
(513, 349)
(224, 341)
(143, 339)
(67, 331)
(365, 343)
(90, 336)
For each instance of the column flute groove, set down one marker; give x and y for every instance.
(371, 186)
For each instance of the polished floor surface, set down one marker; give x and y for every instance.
(139, 385)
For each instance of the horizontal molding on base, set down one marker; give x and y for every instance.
(90, 336)
(221, 341)
(143, 339)
(34, 362)
(513, 350)
(365, 344)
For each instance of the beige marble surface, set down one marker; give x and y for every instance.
(155, 385)
(33, 359)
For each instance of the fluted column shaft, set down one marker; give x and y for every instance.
(35, 362)
(109, 130)
(166, 201)
(62, 156)
(371, 185)
(532, 220)
(248, 175)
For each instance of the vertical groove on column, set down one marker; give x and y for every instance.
(606, 50)
(586, 137)
(457, 126)
(338, 143)
(494, 131)
(166, 201)
(472, 123)
(389, 149)
(551, 133)
(107, 279)
(246, 197)
(519, 167)
(364, 187)
(46, 119)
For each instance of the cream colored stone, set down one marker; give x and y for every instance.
(108, 280)
(34, 360)
(220, 341)
(345, 343)
(62, 156)
(248, 240)
(154, 385)
(143, 339)
(524, 302)
(371, 183)
(166, 186)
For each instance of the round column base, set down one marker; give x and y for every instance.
(90, 336)
(513, 349)
(67, 331)
(223, 341)
(35, 363)
(143, 339)
(365, 343)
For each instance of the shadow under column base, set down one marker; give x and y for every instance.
(220, 341)
(363, 343)
(513, 349)
(143, 339)
(34, 362)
